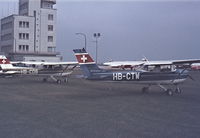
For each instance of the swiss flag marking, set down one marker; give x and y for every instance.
(4, 61)
(84, 58)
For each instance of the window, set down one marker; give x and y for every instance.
(20, 35)
(23, 48)
(27, 24)
(24, 36)
(23, 24)
(20, 24)
(50, 17)
(50, 27)
(50, 38)
(51, 49)
(27, 36)
(20, 47)
(27, 47)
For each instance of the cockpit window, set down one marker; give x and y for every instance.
(160, 68)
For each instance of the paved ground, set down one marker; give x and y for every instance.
(83, 109)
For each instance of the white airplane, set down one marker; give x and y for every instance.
(53, 70)
(6, 68)
(195, 66)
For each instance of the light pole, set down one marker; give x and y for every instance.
(96, 36)
(85, 37)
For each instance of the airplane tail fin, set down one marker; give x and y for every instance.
(4, 62)
(87, 64)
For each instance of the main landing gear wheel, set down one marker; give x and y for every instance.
(44, 79)
(169, 92)
(178, 90)
(145, 89)
(66, 80)
(59, 81)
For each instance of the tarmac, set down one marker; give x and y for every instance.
(30, 108)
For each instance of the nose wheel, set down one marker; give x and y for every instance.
(44, 79)
(58, 81)
(169, 92)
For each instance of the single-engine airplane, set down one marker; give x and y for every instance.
(6, 68)
(92, 71)
(57, 71)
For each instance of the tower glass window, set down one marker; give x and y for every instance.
(50, 27)
(23, 24)
(50, 38)
(24, 36)
(50, 17)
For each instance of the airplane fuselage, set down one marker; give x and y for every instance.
(140, 77)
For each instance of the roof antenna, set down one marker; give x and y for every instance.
(14, 8)
(7, 8)
(2, 13)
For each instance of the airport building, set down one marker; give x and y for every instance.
(30, 35)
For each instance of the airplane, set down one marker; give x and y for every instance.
(195, 66)
(53, 70)
(92, 72)
(6, 68)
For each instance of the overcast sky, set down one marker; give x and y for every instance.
(130, 29)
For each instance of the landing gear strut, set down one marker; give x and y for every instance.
(66, 80)
(170, 92)
(178, 90)
(167, 91)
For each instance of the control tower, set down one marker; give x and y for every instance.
(31, 34)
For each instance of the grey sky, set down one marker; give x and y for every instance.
(158, 30)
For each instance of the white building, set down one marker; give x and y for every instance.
(31, 35)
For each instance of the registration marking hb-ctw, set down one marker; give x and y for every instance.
(126, 76)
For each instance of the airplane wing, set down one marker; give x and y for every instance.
(60, 63)
(123, 63)
(44, 63)
(153, 63)
(187, 61)
(149, 63)
(173, 62)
